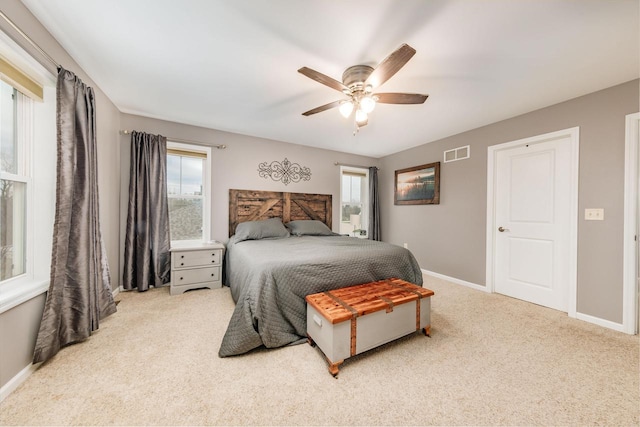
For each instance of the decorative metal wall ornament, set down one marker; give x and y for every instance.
(286, 171)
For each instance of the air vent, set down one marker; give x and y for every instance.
(459, 153)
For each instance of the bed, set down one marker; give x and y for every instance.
(270, 268)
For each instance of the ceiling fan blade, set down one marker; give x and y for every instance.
(322, 108)
(401, 98)
(390, 65)
(321, 78)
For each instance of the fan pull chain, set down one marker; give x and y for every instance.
(357, 128)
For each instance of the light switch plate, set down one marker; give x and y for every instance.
(594, 214)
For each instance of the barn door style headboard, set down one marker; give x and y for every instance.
(252, 205)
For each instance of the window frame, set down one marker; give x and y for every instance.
(364, 198)
(23, 135)
(206, 185)
(38, 133)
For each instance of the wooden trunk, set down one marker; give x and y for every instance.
(348, 321)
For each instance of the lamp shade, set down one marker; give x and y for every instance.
(355, 220)
(346, 108)
(361, 116)
(367, 104)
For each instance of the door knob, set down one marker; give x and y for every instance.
(502, 229)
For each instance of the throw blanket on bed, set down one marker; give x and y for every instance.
(270, 278)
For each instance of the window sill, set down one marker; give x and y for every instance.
(19, 291)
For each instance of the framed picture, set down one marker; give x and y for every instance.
(419, 185)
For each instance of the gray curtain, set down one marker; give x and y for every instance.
(374, 205)
(146, 251)
(80, 289)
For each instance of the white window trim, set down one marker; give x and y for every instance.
(206, 190)
(20, 289)
(24, 287)
(364, 213)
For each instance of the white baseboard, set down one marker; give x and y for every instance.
(16, 381)
(580, 316)
(601, 322)
(454, 280)
(22, 376)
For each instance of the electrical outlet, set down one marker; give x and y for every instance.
(594, 214)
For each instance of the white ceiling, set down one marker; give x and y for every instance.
(232, 65)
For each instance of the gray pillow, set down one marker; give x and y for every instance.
(263, 229)
(309, 228)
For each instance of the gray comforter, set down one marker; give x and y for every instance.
(270, 278)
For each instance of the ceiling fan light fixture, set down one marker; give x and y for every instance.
(361, 116)
(358, 83)
(367, 104)
(346, 108)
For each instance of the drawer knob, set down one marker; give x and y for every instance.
(212, 274)
(182, 263)
(182, 278)
(181, 256)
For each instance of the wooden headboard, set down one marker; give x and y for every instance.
(251, 205)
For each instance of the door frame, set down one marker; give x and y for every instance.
(574, 140)
(631, 173)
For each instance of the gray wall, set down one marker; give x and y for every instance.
(18, 326)
(237, 166)
(18, 330)
(449, 238)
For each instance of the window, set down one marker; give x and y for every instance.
(15, 115)
(27, 174)
(354, 198)
(188, 191)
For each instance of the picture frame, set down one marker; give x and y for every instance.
(418, 185)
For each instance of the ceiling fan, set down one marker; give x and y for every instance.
(358, 83)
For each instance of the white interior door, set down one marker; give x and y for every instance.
(533, 196)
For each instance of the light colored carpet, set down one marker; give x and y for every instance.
(491, 360)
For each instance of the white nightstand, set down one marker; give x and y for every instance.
(195, 265)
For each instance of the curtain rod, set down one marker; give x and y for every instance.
(185, 141)
(30, 41)
(354, 166)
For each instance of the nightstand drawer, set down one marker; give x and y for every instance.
(196, 265)
(195, 275)
(188, 259)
